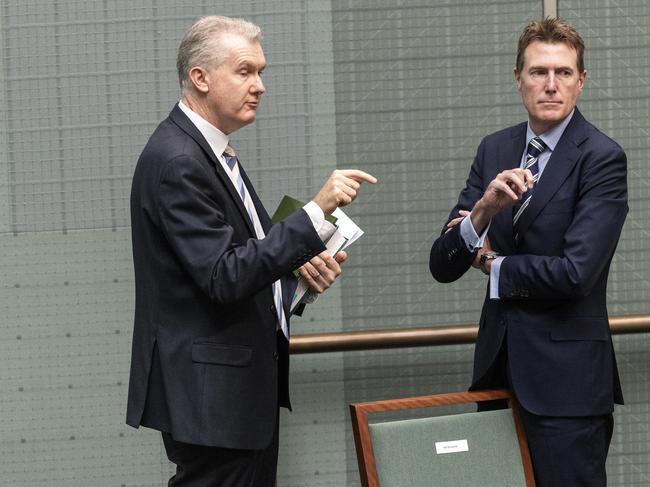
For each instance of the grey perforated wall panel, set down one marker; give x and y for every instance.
(402, 89)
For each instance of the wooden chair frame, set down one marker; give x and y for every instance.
(363, 441)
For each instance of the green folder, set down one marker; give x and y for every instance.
(289, 205)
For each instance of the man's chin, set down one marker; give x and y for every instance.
(552, 116)
(246, 119)
(250, 116)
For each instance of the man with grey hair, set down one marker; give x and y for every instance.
(213, 276)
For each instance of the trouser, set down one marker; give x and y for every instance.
(205, 466)
(568, 452)
(565, 451)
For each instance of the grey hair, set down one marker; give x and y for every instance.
(202, 44)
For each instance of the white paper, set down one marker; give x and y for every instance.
(455, 446)
(347, 227)
(345, 234)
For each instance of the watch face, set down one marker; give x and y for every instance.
(489, 255)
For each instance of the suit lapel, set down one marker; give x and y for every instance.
(265, 220)
(509, 153)
(179, 118)
(288, 283)
(557, 169)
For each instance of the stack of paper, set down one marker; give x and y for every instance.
(346, 233)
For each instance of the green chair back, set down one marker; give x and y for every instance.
(431, 451)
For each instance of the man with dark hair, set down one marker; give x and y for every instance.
(541, 214)
(213, 277)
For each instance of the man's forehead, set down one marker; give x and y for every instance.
(242, 50)
(549, 52)
(237, 42)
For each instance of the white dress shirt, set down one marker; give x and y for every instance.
(218, 141)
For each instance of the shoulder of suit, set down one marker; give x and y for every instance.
(595, 137)
(496, 139)
(169, 141)
(507, 132)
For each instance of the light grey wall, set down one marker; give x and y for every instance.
(402, 89)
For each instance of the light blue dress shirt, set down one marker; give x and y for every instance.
(467, 231)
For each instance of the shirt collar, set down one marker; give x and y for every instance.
(550, 137)
(215, 137)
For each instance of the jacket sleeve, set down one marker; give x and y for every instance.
(589, 241)
(193, 221)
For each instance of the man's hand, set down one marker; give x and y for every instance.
(321, 271)
(341, 189)
(502, 192)
(455, 221)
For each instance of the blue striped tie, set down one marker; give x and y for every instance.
(535, 147)
(231, 161)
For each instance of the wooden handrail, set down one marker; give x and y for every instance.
(423, 337)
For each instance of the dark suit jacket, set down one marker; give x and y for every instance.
(207, 364)
(554, 277)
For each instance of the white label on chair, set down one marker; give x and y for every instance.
(451, 446)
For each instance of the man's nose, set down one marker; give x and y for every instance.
(258, 86)
(551, 82)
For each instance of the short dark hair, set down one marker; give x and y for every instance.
(551, 31)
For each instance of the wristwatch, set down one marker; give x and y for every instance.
(489, 255)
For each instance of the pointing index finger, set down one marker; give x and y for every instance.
(359, 175)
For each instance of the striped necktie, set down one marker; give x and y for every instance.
(233, 165)
(535, 147)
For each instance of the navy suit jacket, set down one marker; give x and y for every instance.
(554, 277)
(207, 363)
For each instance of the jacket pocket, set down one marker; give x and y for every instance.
(580, 328)
(220, 354)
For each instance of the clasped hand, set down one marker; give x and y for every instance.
(322, 270)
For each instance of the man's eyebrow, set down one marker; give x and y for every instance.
(554, 68)
(250, 64)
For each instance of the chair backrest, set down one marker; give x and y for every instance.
(484, 448)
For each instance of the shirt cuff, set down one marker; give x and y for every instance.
(495, 272)
(469, 235)
(324, 228)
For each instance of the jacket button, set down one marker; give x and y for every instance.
(276, 356)
(273, 309)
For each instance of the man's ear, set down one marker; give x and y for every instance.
(583, 78)
(198, 77)
(517, 78)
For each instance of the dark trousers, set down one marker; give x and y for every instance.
(566, 451)
(204, 466)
